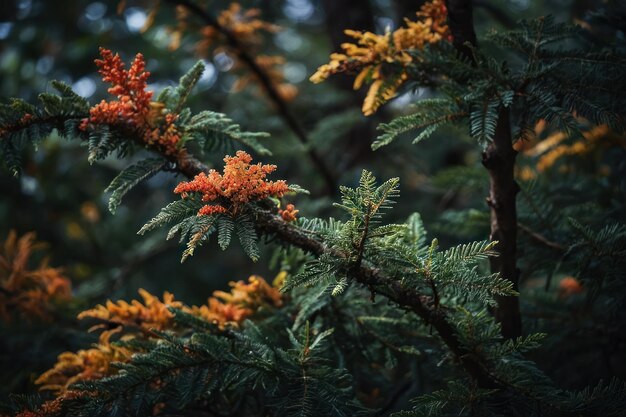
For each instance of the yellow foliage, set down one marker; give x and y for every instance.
(94, 363)
(382, 60)
(553, 148)
(152, 314)
(30, 292)
(138, 319)
(245, 25)
(231, 308)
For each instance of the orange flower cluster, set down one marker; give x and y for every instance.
(31, 292)
(289, 213)
(241, 183)
(382, 60)
(245, 25)
(223, 309)
(243, 300)
(133, 108)
(152, 314)
(247, 28)
(94, 363)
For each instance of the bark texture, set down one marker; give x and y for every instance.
(499, 159)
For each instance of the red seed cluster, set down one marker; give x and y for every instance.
(240, 183)
(133, 107)
(289, 213)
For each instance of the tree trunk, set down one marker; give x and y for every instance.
(499, 159)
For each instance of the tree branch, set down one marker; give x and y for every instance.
(266, 82)
(537, 237)
(408, 298)
(269, 223)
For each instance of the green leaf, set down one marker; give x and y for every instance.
(186, 84)
(484, 119)
(295, 188)
(130, 177)
(225, 227)
(429, 116)
(244, 227)
(175, 211)
(210, 128)
(471, 251)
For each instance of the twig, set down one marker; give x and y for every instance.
(540, 238)
(266, 82)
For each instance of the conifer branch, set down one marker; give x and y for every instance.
(271, 224)
(266, 82)
(268, 223)
(374, 278)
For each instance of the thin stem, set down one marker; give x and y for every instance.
(361, 246)
(537, 237)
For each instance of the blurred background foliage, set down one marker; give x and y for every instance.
(59, 196)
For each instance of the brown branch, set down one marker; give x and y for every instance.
(537, 237)
(271, 224)
(266, 82)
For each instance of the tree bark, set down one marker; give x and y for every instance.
(499, 160)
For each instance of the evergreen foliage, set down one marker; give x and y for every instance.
(560, 72)
(130, 177)
(24, 124)
(216, 371)
(368, 315)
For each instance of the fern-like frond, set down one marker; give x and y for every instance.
(175, 211)
(130, 177)
(429, 116)
(209, 129)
